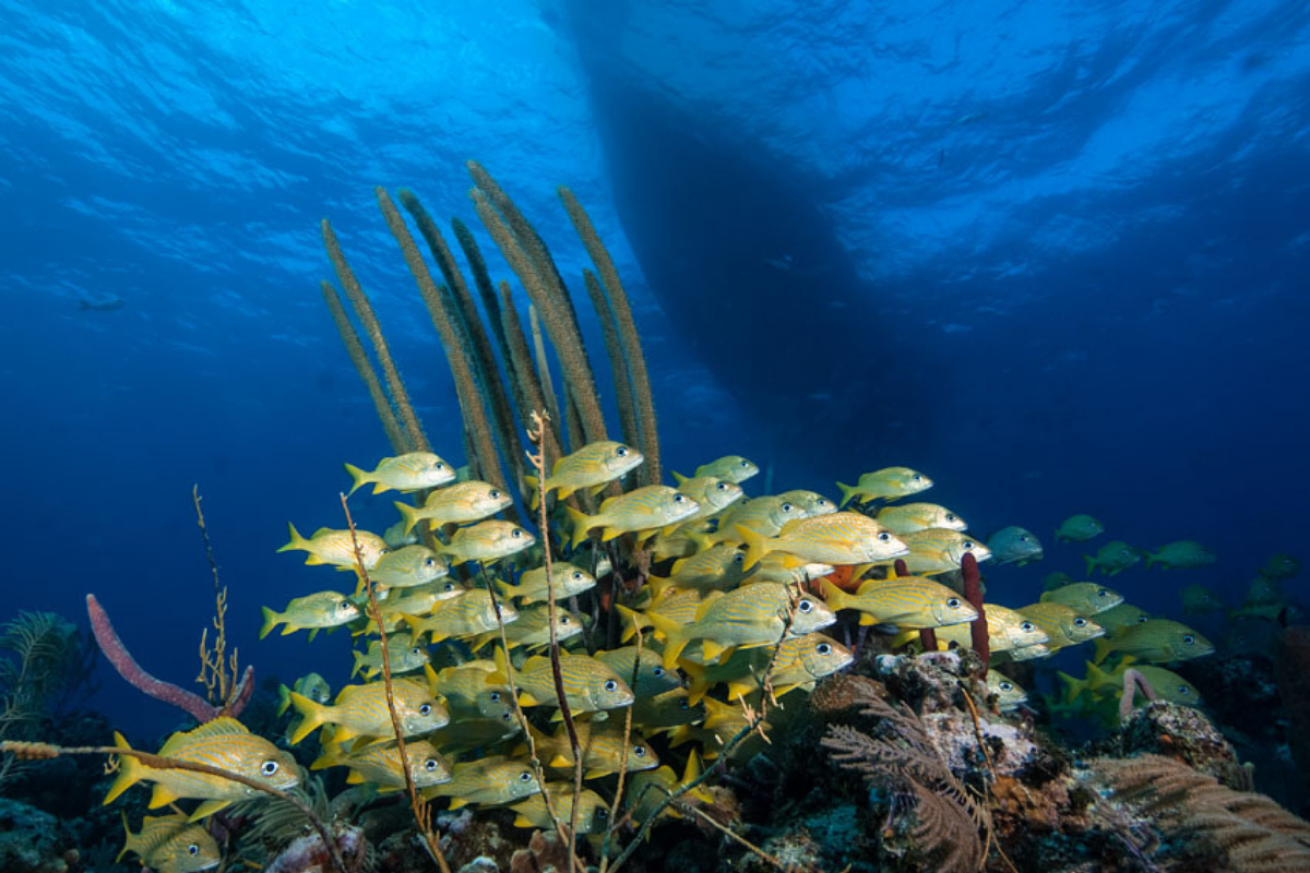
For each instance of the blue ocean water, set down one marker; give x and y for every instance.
(1055, 255)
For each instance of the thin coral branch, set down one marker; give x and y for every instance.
(218, 672)
(1133, 680)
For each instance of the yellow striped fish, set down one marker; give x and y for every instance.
(782, 568)
(381, 766)
(602, 747)
(649, 789)
(532, 630)
(643, 509)
(409, 567)
(1087, 598)
(1062, 624)
(801, 662)
(840, 538)
(1006, 630)
(811, 502)
(169, 844)
(590, 467)
(461, 503)
(468, 691)
(652, 678)
(745, 617)
(667, 711)
(224, 743)
(679, 605)
(935, 551)
(488, 782)
(1009, 694)
(473, 612)
(487, 541)
(1157, 641)
(412, 471)
(323, 609)
(733, 468)
(593, 812)
(889, 483)
(414, 601)
(713, 494)
(589, 685)
(401, 652)
(763, 515)
(721, 567)
(912, 517)
(568, 580)
(909, 602)
(336, 547)
(361, 710)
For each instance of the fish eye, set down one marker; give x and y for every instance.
(658, 671)
(950, 516)
(438, 466)
(1101, 592)
(611, 685)
(577, 576)
(495, 697)
(268, 768)
(425, 709)
(884, 537)
(639, 751)
(683, 704)
(953, 603)
(1080, 622)
(193, 849)
(722, 486)
(1183, 689)
(416, 651)
(678, 498)
(805, 606)
(345, 605)
(968, 545)
(1188, 640)
(786, 507)
(621, 451)
(1023, 539)
(494, 494)
(739, 558)
(1006, 686)
(1027, 627)
(431, 765)
(516, 533)
(743, 463)
(823, 648)
(564, 619)
(525, 776)
(507, 716)
(917, 478)
(1124, 553)
(1141, 619)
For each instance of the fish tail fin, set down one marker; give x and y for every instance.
(313, 715)
(130, 770)
(1103, 649)
(360, 476)
(698, 684)
(691, 774)
(832, 595)
(1091, 564)
(581, 525)
(283, 699)
(271, 620)
(504, 670)
(631, 621)
(675, 639)
(297, 541)
(129, 839)
(534, 491)
(359, 663)
(678, 477)
(847, 492)
(408, 514)
(658, 585)
(1151, 560)
(756, 546)
(1072, 687)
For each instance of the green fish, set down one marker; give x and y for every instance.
(889, 483)
(1280, 566)
(1199, 600)
(487, 542)
(1009, 694)
(224, 743)
(713, 495)
(1078, 528)
(593, 812)
(362, 711)
(1014, 545)
(490, 781)
(591, 467)
(380, 766)
(733, 468)
(569, 580)
(414, 601)
(602, 749)
(470, 614)
(911, 517)
(311, 685)
(1158, 641)
(667, 711)
(908, 602)
(409, 472)
(337, 547)
(409, 567)
(1055, 580)
(746, 617)
(1063, 624)
(401, 652)
(1112, 558)
(1085, 598)
(589, 685)
(323, 609)
(719, 568)
(469, 733)
(936, 551)
(169, 844)
(651, 677)
(461, 503)
(1101, 684)
(840, 538)
(643, 509)
(1121, 616)
(1181, 555)
(811, 502)
(648, 790)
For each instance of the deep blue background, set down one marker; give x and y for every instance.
(1057, 259)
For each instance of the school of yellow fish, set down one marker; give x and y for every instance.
(739, 586)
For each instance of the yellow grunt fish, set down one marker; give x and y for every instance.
(590, 467)
(1009, 694)
(413, 601)
(782, 568)
(643, 509)
(409, 472)
(461, 503)
(713, 495)
(840, 538)
(935, 551)
(589, 685)
(361, 711)
(336, 547)
(473, 612)
(913, 517)
(733, 468)
(800, 663)
(745, 617)
(721, 567)
(651, 787)
(224, 743)
(324, 609)
(889, 483)
(468, 691)
(908, 602)
(409, 567)
(311, 685)
(763, 515)
(679, 605)
(488, 781)
(1157, 641)
(1065, 626)
(593, 812)
(568, 580)
(170, 844)
(487, 541)
(602, 748)
(532, 629)
(1006, 630)
(1099, 683)
(1123, 616)
(1086, 598)
(667, 711)
(401, 652)
(811, 502)
(652, 678)
(380, 766)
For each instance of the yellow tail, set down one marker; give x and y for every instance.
(271, 620)
(534, 491)
(130, 770)
(832, 595)
(360, 476)
(313, 715)
(847, 492)
(631, 621)
(297, 541)
(581, 525)
(756, 546)
(674, 638)
(409, 514)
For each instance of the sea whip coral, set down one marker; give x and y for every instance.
(127, 667)
(973, 594)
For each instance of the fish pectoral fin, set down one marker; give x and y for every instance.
(867, 619)
(208, 808)
(560, 761)
(523, 822)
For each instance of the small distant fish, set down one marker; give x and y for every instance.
(1064, 626)
(409, 567)
(733, 468)
(1157, 641)
(1264, 591)
(487, 541)
(913, 517)
(337, 547)
(401, 652)
(1184, 554)
(908, 602)
(936, 551)
(323, 609)
(413, 471)
(569, 580)
(1009, 694)
(643, 509)
(1252, 636)
(1199, 600)
(811, 503)
(1078, 528)
(362, 711)
(489, 781)
(169, 844)
(1112, 558)
(589, 468)
(224, 743)
(839, 538)
(1085, 598)
(589, 685)
(1280, 566)
(311, 685)
(461, 503)
(1014, 545)
(106, 304)
(889, 483)
(713, 494)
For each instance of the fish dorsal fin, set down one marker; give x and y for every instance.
(535, 661)
(320, 532)
(704, 608)
(679, 478)
(223, 726)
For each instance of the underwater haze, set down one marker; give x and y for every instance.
(1055, 255)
